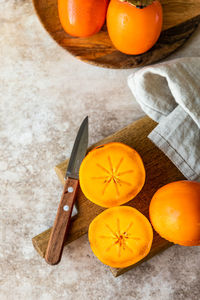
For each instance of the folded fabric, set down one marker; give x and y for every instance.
(169, 93)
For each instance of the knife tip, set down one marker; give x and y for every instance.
(86, 119)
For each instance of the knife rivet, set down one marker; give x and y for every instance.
(66, 208)
(70, 189)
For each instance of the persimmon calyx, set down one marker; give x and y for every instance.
(139, 3)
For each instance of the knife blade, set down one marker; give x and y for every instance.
(78, 151)
(61, 224)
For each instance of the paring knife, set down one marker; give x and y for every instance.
(62, 220)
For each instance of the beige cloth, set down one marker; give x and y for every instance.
(170, 94)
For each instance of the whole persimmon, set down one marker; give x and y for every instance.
(82, 18)
(175, 212)
(111, 174)
(120, 236)
(134, 26)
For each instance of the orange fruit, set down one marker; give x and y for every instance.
(111, 174)
(134, 30)
(175, 212)
(82, 18)
(120, 236)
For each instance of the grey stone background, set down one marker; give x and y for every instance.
(45, 93)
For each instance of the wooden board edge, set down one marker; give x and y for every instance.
(59, 172)
(36, 242)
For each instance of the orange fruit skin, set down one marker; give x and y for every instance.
(175, 212)
(120, 236)
(111, 174)
(133, 30)
(82, 18)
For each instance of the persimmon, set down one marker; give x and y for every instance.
(120, 236)
(82, 18)
(134, 26)
(175, 212)
(111, 174)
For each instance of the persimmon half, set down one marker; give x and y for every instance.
(175, 212)
(134, 26)
(120, 236)
(82, 18)
(111, 174)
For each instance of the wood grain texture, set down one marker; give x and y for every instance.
(159, 171)
(62, 222)
(180, 20)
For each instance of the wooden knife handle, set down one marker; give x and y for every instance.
(61, 223)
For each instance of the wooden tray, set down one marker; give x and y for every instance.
(159, 170)
(181, 18)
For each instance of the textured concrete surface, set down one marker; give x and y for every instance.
(45, 94)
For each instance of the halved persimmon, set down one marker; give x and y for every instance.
(175, 212)
(120, 236)
(112, 174)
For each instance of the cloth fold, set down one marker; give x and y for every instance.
(169, 93)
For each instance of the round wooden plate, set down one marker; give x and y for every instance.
(180, 20)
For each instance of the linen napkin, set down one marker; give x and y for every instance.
(169, 93)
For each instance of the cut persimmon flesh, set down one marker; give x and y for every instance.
(120, 236)
(112, 174)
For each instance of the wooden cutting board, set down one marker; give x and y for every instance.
(159, 171)
(181, 18)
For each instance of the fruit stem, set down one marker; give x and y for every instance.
(139, 3)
